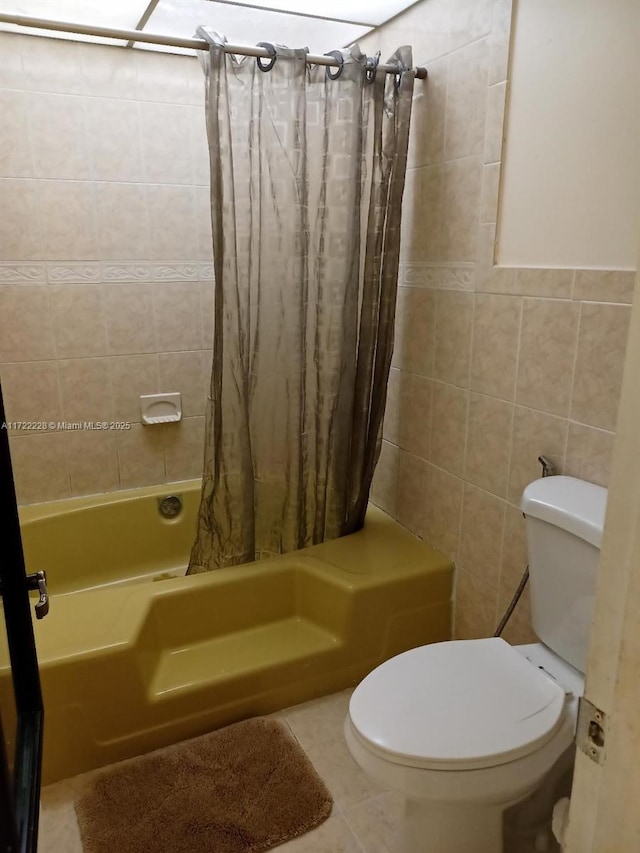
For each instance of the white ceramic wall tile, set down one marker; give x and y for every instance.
(20, 231)
(466, 101)
(199, 145)
(173, 226)
(163, 78)
(128, 310)
(113, 137)
(202, 201)
(78, 320)
(123, 224)
(49, 65)
(11, 68)
(68, 220)
(195, 82)
(15, 152)
(177, 316)
(494, 123)
(57, 136)
(109, 72)
(26, 328)
(206, 314)
(165, 133)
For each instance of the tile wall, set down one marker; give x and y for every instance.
(493, 366)
(105, 261)
(105, 289)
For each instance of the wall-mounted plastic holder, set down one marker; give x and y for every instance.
(161, 408)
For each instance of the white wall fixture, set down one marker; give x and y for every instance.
(161, 408)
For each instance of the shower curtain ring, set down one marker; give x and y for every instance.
(331, 74)
(272, 53)
(372, 67)
(397, 77)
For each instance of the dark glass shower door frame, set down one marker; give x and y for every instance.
(20, 789)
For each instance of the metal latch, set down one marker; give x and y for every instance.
(38, 581)
(591, 731)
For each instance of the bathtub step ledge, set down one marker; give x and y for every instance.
(263, 652)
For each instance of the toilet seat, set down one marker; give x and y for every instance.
(459, 705)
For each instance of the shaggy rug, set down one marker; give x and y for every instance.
(242, 789)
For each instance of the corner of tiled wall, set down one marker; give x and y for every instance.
(105, 261)
(492, 366)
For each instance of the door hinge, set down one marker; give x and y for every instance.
(591, 730)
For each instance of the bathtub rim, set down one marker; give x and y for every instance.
(51, 509)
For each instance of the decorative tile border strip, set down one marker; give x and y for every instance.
(438, 276)
(126, 272)
(175, 272)
(88, 272)
(71, 272)
(206, 272)
(22, 273)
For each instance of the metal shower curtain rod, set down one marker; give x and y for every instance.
(156, 38)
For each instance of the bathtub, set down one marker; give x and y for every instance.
(134, 655)
(109, 540)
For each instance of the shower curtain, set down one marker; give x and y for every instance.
(307, 174)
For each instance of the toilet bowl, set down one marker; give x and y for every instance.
(465, 729)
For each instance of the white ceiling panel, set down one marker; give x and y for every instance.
(124, 14)
(371, 12)
(242, 25)
(319, 26)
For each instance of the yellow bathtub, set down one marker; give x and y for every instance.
(129, 664)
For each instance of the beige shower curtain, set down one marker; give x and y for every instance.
(307, 175)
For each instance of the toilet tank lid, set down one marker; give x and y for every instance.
(573, 505)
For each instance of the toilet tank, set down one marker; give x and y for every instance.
(565, 519)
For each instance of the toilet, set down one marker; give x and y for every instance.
(467, 728)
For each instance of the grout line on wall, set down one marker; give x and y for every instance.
(466, 431)
(572, 383)
(92, 183)
(573, 287)
(130, 100)
(446, 102)
(497, 613)
(590, 426)
(518, 347)
(109, 355)
(515, 394)
(475, 156)
(506, 495)
(453, 51)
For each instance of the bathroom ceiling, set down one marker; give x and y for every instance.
(297, 23)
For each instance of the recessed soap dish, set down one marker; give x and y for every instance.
(161, 408)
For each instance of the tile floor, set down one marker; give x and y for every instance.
(365, 816)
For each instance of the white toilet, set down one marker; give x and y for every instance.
(465, 729)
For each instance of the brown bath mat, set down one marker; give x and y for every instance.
(242, 789)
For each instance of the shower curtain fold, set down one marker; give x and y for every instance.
(307, 176)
